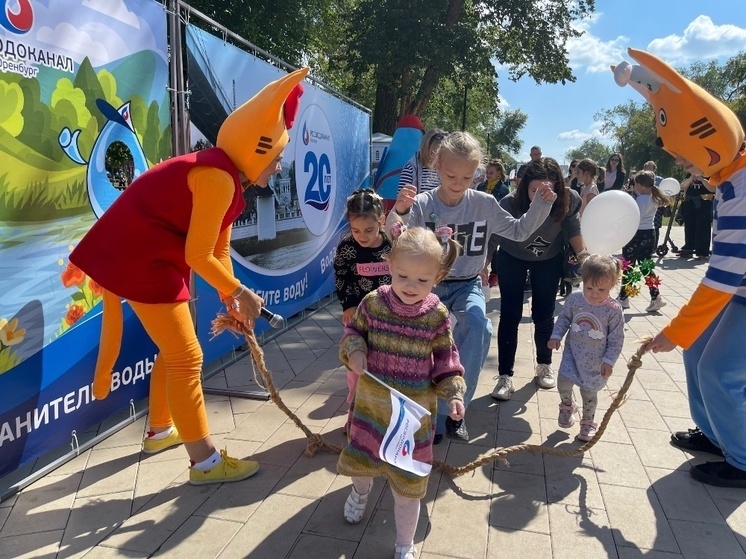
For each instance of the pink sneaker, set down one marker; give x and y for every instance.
(566, 417)
(587, 430)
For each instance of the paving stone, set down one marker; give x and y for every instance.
(642, 415)
(42, 507)
(618, 464)
(580, 532)
(637, 519)
(518, 544)
(273, 529)
(110, 470)
(199, 537)
(654, 450)
(706, 541)
(519, 502)
(682, 497)
(42, 544)
(91, 520)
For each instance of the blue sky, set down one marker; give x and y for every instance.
(678, 31)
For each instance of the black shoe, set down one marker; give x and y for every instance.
(456, 430)
(694, 439)
(721, 474)
(686, 253)
(437, 439)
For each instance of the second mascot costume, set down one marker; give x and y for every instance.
(705, 136)
(177, 217)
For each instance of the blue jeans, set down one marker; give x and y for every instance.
(472, 334)
(716, 379)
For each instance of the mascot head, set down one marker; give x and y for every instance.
(690, 122)
(256, 132)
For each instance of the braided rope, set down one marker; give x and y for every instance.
(316, 441)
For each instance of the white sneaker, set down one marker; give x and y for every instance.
(624, 303)
(656, 303)
(503, 388)
(545, 376)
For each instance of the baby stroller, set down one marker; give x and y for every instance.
(662, 249)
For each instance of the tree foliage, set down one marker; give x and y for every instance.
(592, 148)
(412, 46)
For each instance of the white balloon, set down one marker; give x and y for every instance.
(670, 186)
(609, 222)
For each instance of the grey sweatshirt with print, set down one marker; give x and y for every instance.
(474, 220)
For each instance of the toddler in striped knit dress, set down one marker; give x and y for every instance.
(401, 334)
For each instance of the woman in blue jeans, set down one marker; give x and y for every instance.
(541, 255)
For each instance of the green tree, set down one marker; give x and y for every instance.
(411, 46)
(592, 148)
(87, 81)
(152, 134)
(11, 103)
(75, 98)
(631, 126)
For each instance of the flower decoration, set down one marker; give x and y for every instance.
(88, 294)
(634, 275)
(10, 333)
(625, 263)
(443, 233)
(397, 229)
(632, 290)
(72, 275)
(74, 313)
(646, 266)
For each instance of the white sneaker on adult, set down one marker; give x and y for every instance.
(656, 303)
(545, 376)
(504, 388)
(624, 303)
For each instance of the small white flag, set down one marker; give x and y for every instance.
(398, 442)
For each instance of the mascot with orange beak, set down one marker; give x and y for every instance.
(173, 219)
(706, 138)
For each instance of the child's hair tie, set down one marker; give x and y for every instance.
(397, 229)
(443, 233)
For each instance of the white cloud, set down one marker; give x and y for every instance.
(115, 9)
(93, 39)
(590, 52)
(573, 136)
(702, 39)
(502, 103)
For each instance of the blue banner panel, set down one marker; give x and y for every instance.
(85, 110)
(283, 245)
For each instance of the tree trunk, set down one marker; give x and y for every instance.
(385, 115)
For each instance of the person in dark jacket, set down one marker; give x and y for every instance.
(615, 173)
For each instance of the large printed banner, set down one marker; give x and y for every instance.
(284, 244)
(84, 109)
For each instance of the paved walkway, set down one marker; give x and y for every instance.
(630, 496)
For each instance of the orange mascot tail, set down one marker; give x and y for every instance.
(112, 326)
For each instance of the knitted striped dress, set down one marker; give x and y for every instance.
(410, 348)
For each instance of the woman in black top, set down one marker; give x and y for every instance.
(615, 173)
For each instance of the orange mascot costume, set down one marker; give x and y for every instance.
(175, 218)
(705, 136)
